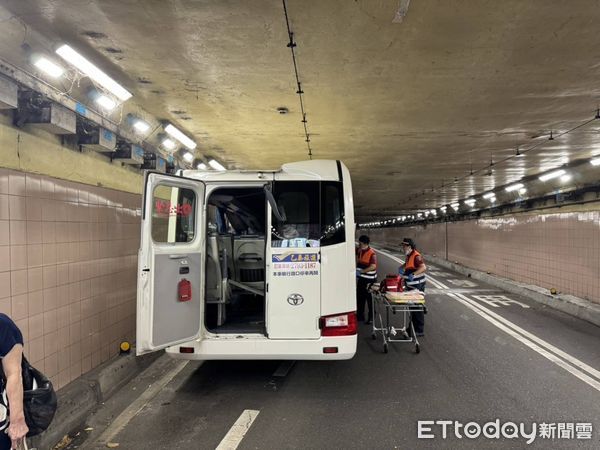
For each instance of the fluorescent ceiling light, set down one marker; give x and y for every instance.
(566, 177)
(177, 134)
(595, 161)
(44, 64)
(443, 209)
(216, 165)
(97, 75)
(455, 206)
(141, 126)
(489, 195)
(470, 201)
(106, 102)
(522, 191)
(433, 211)
(169, 144)
(553, 174)
(201, 166)
(514, 187)
(188, 157)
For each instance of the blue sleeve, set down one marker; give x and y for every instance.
(10, 335)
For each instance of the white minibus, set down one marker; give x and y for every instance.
(248, 264)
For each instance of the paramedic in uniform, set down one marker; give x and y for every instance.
(366, 273)
(413, 273)
(11, 353)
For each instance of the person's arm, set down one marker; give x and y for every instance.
(11, 364)
(369, 269)
(421, 268)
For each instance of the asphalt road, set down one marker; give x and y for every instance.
(487, 355)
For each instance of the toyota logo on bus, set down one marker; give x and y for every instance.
(295, 299)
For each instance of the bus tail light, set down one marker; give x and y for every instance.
(186, 349)
(339, 324)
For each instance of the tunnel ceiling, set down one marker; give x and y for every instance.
(410, 107)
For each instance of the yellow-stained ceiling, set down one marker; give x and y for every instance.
(409, 107)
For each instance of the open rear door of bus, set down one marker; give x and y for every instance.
(170, 294)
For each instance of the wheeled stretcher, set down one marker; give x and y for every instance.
(386, 306)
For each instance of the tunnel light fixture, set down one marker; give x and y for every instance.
(141, 126)
(433, 212)
(216, 165)
(514, 187)
(489, 195)
(72, 57)
(470, 202)
(201, 166)
(553, 174)
(47, 66)
(522, 191)
(169, 144)
(595, 161)
(177, 134)
(566, 178)
(455, 206)
(105, 102)
(443, 209)
(187, 156)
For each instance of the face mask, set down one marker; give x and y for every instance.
(407, 251)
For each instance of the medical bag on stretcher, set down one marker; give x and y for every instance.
(392, 283)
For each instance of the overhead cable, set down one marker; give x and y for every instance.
(292, 45)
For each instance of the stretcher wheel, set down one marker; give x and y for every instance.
(417, 348)
(373, 336)
(385, 348)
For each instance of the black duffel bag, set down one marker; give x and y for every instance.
(39, 398)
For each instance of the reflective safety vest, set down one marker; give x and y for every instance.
(363, 260)
(410, 267)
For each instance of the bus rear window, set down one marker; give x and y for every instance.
(314, 214)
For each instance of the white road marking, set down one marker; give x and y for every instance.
(236, 433)
(496, 300)
(571, 359)
(462, 283)
(139, 403)
(578, 368)
(532, 342)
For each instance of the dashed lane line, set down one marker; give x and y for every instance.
(238, 430)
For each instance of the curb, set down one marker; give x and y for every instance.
(569, 304)
(78, 399)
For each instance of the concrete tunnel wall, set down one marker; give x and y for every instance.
(69, 235)
(559, 249)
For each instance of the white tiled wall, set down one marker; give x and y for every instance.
(68, 258)
(559, 250)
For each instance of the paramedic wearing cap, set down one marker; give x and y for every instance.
(366, 273)
(413, 272)
(11, 353)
